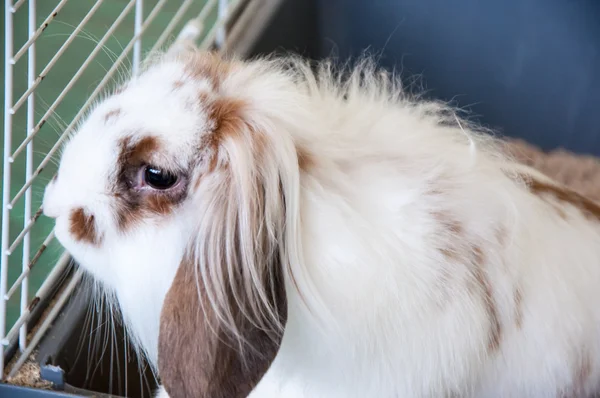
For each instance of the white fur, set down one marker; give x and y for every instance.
(369, 317)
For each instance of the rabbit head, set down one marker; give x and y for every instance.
(180, 188)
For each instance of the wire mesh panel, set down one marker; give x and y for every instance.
(59, 57)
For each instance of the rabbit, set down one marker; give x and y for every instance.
(276, 227)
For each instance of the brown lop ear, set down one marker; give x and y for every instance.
(198, 358)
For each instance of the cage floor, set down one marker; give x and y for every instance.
(53, 84)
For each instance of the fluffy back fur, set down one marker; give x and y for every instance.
(415, 258)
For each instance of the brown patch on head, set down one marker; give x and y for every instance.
(83, 227)
(225, 120)
(227, 116)
(587, 207)
(197, 357)
(111, 116)
(133, 205)
(140, 152)
(518, 303)
(209, 65)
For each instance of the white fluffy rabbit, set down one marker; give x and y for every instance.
(399, 251)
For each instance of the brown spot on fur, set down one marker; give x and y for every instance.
(473, 256)
(140, 152)
(305, 160)
(225, 116)
(196, 355)
(454, 229)
(83, 227)
(589, 208)
(478, 257)
(451, 254)
(484, 287)
(178, 84)
(518, 302)
(226, 113)
(451, 225)
(209, 66)
(112, 115)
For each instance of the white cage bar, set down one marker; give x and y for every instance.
(208, 27)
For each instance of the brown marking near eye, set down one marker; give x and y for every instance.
(518, 302)
(209, 66)
(159, 204)
(178, 84)
(587, 207)
(132, 205)
(111, 115)
(83, 227)
(140, 152)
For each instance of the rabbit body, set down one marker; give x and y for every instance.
(419, 260)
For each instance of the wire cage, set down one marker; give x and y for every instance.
(59, 57)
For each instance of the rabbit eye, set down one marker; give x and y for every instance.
(158, 179)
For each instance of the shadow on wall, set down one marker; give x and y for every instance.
(527, 68)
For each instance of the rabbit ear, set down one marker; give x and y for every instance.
(198, 358)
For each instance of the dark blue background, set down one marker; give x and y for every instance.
(528, 68)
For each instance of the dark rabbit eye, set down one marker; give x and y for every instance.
(158, 179)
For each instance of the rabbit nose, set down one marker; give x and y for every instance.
(49, 212)
(50, 204)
